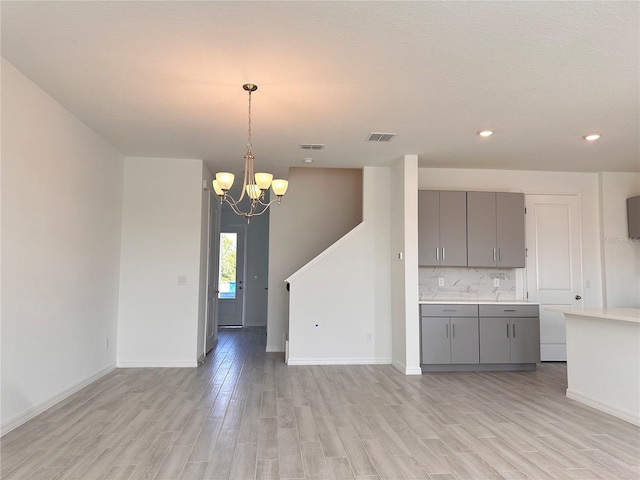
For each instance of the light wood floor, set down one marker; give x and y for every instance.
(244, 414)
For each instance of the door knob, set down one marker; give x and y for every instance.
(578, 297)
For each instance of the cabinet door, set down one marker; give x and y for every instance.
(453, 229)
(428, 227)
(465, 346)
(436, 347)
(525, 340)
(510, 229)
(495, 340)
(481, 229)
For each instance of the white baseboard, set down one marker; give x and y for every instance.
(339, 361)
(406, 370)
(274, 349)
(553, 352)
(631, 417)
(163, 364)
(413, 371)
(399, 366)
(40, 407)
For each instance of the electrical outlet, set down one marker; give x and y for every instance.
(587, 283)
(441, 282)
(369, 337)
(182, 279)
(496, 282)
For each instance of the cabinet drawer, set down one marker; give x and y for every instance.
(509, 310)
(449, 310)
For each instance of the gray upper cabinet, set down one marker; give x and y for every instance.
(495, 229)
(428, 227)
(442, 228)
(510, 229)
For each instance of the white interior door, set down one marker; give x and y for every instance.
(212, 274)
(231, 276)
(554, 265)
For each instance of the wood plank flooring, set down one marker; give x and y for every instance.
(244, 414)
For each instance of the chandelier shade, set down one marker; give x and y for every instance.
(254, 186)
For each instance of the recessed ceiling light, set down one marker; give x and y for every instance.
(307, 160)
(592, 137)
(485, 133)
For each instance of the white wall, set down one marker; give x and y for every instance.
(161, 240)
(404, 271)
(321, 205)
(585, 185)
(61, 212)
(620, 254)
(339, 303)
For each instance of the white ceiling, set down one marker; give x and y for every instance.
(165, 79)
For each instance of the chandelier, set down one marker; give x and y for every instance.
(254, 184)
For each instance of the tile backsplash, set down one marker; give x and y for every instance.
(467, 283)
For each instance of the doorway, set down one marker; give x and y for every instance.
(554, 265)
(231, 276)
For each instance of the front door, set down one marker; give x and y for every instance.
(554, 267)
(231, 277)
(212, 273)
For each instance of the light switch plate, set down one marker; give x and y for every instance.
(496, 282)
(441, 282)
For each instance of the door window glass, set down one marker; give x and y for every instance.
(228, 251)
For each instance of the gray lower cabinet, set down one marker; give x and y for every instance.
(479, 337)
(449, 334)
(509, 334)
(450, 340)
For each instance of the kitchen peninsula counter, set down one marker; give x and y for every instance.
(603, 359)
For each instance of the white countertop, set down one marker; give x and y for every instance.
(450, 301)
(622, 314)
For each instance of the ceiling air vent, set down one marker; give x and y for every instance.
(380, 137)
(312, 146)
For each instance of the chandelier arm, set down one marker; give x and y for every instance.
(230, 200)
(236, 210)
(267, 204)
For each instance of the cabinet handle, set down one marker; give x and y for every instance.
(443, 254)
(453, 330)
(505, 310)
(499, 254)
(494, 254)
(437, 253)
(449, 310)
(507, 330)
(513, 332)
(447, 329)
